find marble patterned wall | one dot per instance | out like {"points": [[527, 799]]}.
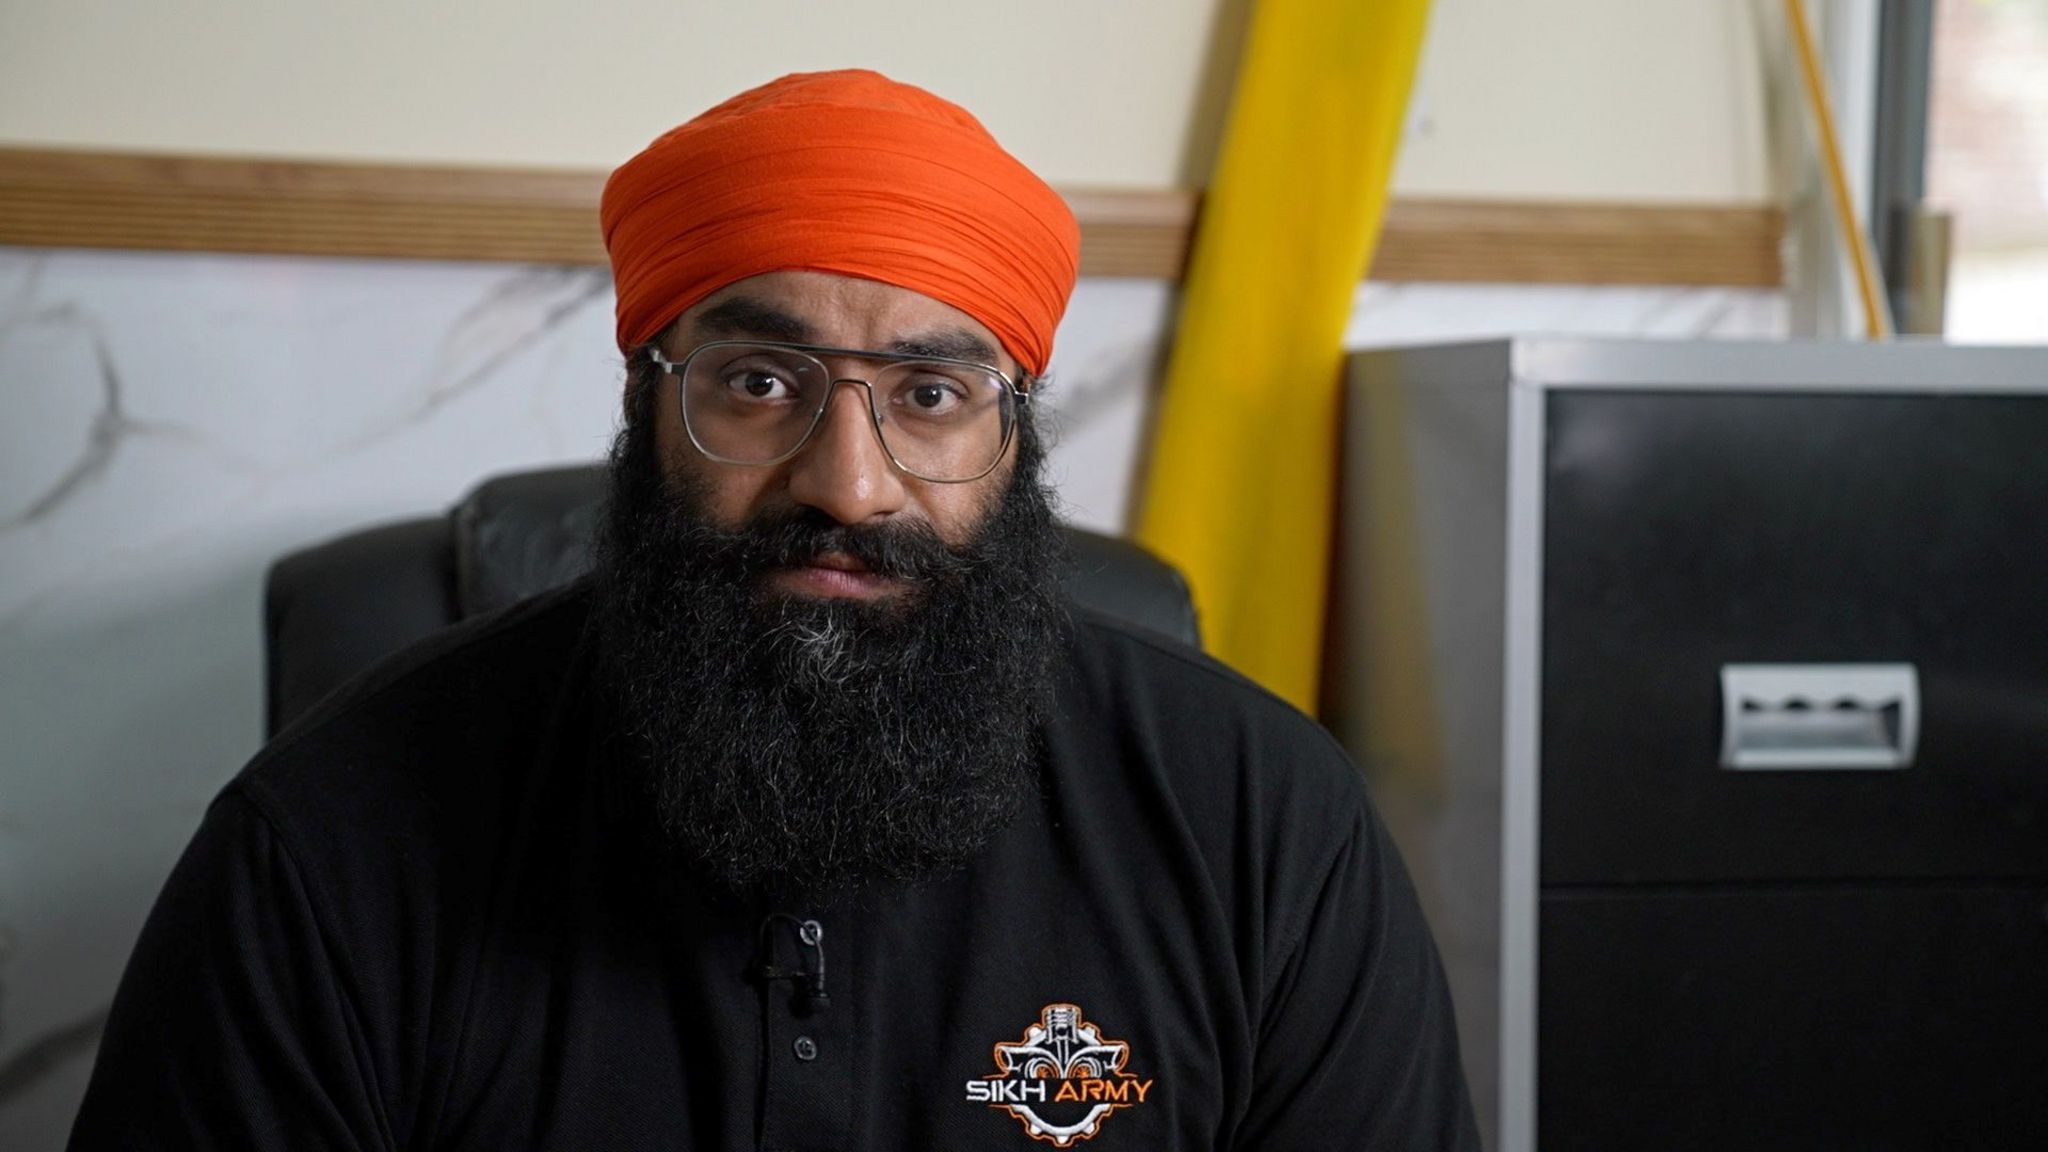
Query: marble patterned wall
{"points": [[170, 424]]}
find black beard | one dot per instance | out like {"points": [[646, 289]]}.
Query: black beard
{"points": [[791, 744]]}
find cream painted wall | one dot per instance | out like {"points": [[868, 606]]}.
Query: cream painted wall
{"points": [[1634, 100], [1088, 91], [1568, 99]]}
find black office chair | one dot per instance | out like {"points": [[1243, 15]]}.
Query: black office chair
{"points": [[335, 609]]}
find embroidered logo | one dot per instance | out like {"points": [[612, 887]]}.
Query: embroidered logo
{"points": [[1062, 1079]]}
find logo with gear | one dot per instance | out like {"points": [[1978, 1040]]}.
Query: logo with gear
{"points": [[1062, 1079]]}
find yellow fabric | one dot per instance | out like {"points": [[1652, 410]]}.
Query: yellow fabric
{"points": [[1240, 487]]}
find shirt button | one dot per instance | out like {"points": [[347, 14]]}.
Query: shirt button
{"points": [[806, 1048]]}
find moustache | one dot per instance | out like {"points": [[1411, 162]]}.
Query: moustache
{"points": [[911, 551]]}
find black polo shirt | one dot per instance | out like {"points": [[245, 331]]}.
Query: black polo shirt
{"points": [[415, 922]]}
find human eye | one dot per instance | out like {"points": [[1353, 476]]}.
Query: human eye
{"points": [[932, 394], [758, 381]]}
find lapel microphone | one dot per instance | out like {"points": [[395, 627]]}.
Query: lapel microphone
{"points": [[809, 976]]}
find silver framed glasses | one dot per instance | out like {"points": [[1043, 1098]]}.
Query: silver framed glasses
{"points": [[757, 403]]}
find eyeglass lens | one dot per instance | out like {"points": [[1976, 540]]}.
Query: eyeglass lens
{"points": [[754, 404]]}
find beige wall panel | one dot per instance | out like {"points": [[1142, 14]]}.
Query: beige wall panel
{"points": [[1628, 100], [1632, 100], [1086, 91]]}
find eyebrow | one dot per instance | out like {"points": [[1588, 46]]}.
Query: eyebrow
{"points": [[752, 316], [946, 344], [748, 316]]}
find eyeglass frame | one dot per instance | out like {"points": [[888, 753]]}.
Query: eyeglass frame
{"points": [[818, 352]]}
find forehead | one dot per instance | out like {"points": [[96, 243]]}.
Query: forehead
{"points": [[808, 307]]}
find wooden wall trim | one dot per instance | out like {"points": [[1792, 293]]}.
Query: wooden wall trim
{"points": [[202, 204], [51, 198], [1549, 243]]}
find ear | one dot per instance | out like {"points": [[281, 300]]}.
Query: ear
{"points": [[641, 371], [641, 374]]}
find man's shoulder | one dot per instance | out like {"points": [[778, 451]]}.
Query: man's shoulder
{"points": [[1217, 739], [443, 724], [480, 673]]}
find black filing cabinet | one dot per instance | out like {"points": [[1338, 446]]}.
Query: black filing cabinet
{"points": [[1768, 811]]}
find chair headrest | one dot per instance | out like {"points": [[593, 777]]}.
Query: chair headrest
{"points": [[519, 535]]}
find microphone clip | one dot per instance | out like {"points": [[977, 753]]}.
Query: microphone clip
{"points": [[810, 977]]}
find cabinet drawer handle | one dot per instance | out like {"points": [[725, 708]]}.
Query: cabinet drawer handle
{"points": [[1818, 717]]}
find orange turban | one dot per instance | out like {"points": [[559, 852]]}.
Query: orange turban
{"points": [[843, 172]]}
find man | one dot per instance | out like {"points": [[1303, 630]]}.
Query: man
{"points": [[816, 820]]}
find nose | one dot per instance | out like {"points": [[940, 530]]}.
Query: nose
{"points": [[843, 471]]}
